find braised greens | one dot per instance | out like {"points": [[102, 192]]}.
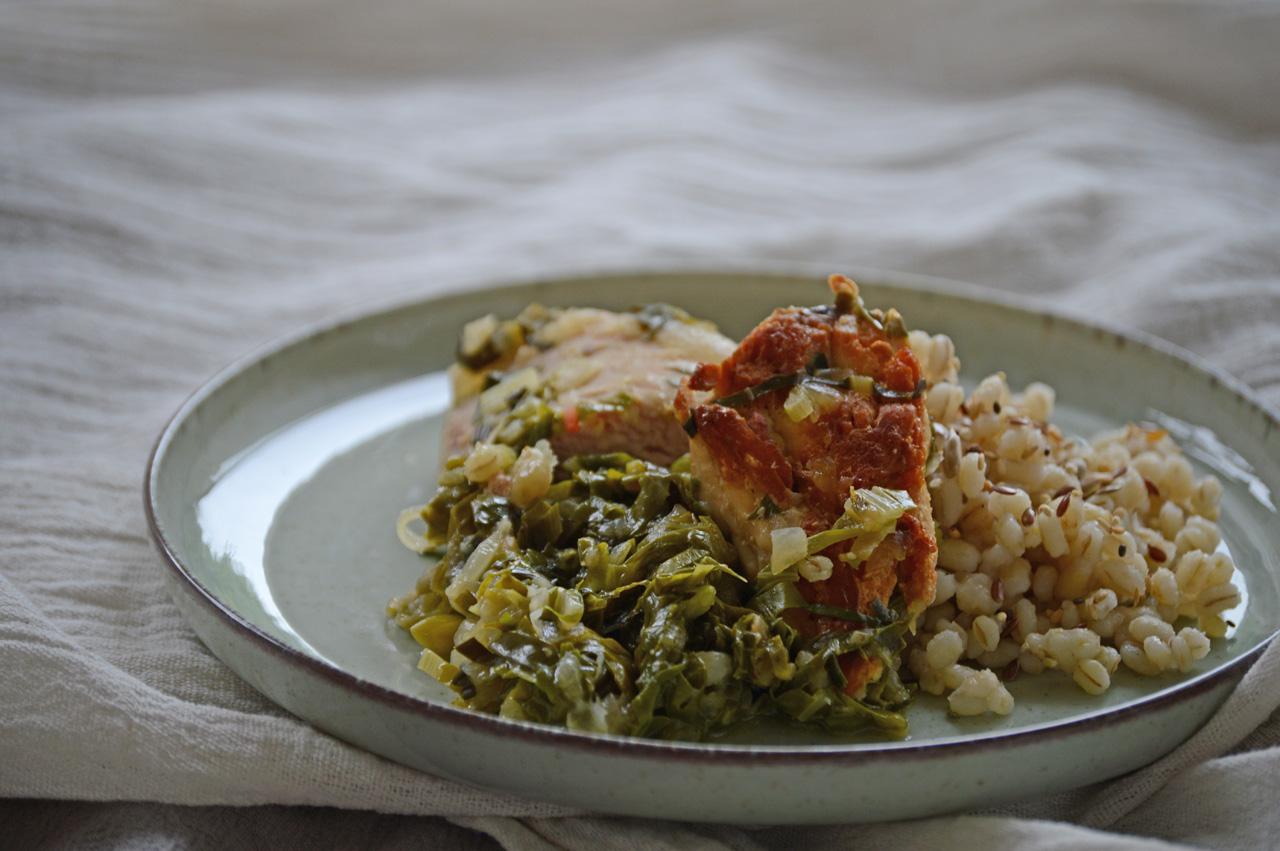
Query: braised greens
{"points": [[611, 604]]}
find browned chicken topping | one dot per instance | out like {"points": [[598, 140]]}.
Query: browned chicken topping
{"points": [[763, 467]]}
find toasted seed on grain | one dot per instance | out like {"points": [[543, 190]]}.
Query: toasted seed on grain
{"points": [[1028, 517], [997, 591], [1063, 491], [1064, 504], [1018, 421], [1005, 489], [1151, 487], [1157, 554], [973, 449]]}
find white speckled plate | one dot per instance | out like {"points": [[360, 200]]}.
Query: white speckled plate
{"points": [[273, 492]]}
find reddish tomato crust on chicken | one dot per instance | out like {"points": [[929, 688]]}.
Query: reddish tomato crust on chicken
{"points": [[746, 447]]}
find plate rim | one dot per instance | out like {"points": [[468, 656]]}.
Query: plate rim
{"points": [[723, 753]]}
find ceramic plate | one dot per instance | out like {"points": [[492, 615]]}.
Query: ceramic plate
{"points": [[273, 493]]}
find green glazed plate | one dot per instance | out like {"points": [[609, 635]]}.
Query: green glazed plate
{"points": [[272, 496]]}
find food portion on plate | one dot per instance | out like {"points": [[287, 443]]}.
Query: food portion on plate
{"points": [[809, 443], [1059, 553], [590, 381], [643, 529]]}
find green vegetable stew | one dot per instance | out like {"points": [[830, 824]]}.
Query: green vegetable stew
{"points": [[611, 604]]}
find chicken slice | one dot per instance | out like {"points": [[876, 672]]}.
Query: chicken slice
{"points": [[814, 402], [610, 376]]}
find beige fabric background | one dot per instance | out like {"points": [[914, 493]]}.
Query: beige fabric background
{"points": [[181, 182]]}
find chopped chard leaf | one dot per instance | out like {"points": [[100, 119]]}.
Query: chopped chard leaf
{"points": [[612, 604], [766, 508], [769, 385]]}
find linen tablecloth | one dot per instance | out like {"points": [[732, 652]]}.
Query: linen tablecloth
{"points": [[182, 181]]}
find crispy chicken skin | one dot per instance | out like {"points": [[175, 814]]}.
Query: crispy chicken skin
{"points": [[614, 376], [751, 450]]}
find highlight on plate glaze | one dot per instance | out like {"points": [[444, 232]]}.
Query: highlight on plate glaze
{"points": [[236, 514]]}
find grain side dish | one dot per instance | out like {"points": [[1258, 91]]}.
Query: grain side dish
{"points": [[643, 528]]}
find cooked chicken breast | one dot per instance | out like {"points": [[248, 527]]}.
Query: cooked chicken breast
{"points": [[814, 402], [612, 376]]}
